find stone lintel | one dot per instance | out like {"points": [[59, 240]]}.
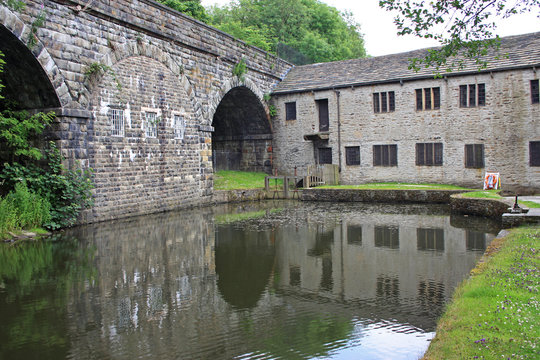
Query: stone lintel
{"points": [[317, 136]]}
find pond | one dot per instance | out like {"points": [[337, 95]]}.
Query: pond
{"points": [[269, 280]]}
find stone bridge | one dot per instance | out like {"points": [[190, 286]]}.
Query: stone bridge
{"points": [[147, 97]]}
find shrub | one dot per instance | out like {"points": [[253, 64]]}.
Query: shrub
{"points": [[23, 209], [68, 191]]}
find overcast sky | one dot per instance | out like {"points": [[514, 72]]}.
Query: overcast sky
{"points": [[380, 32]]}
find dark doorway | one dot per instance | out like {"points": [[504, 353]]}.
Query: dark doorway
{"points": [[322, 106], [242, 138]]}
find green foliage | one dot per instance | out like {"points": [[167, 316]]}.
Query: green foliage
{"points": [[2, 63], [22, 209], [68, 191], [36, 25], [192, 8], [17, 128], [461, 26], [16, 5], [272, 110], [301, 31], [240, 69], [96, 69]]}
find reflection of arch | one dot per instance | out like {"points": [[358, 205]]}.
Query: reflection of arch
{"points": [[242, 138], [135, 48], [44, 86], [244, 262]]}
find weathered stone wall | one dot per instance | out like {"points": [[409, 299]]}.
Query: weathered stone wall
{"points": [[144, 56], [482, 207], [380, 196], [505, 126]]}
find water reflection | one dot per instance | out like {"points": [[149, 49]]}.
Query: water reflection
{"points": [[300, 281], [244, 263]]}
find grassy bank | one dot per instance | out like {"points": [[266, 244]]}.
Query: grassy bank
{"points": [[495, 313], [396, 186], [494, 194]]}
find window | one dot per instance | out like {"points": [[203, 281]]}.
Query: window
{"points": [[472, 95], [535, 96], [384, 102], [387, 236], [474, 156], [116, 119], [322, 107], [295, 276], [179, 126], [150, 124], [290, 111], [354, 235], [384, 155], [428, 98], [430, 239], [534, 153], [325, 155], [352, 155], [429, 154], [475, 241]]}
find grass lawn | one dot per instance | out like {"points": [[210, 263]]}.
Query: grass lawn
{"points": [[240, 180], [495, 313], [493, 194], [396, 186]]}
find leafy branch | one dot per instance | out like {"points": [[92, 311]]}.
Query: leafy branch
{"points": [[36, 25], [240, 69], [462, 27]]}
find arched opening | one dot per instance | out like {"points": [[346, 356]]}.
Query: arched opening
{"points": [[27, 86], [242, 138]]}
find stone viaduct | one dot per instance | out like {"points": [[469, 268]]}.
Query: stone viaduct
{"points": [[147, 97]]}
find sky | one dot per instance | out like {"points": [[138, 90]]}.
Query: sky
{"points": [[377, 26]]}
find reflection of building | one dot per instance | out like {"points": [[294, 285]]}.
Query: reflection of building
{"points": [[374, 258], [180, 284]]}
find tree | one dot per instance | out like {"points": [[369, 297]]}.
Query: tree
{"points": [[466, 27], [301, 31], [192, 8]]}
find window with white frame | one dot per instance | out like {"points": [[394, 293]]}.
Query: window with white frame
{"points": [[150, 124], [179, 124], [116, 120]]}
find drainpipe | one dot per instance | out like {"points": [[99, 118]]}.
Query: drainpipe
{"points": [[339, 130]]}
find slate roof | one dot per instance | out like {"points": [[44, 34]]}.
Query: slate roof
{"points": [[523, 51]]}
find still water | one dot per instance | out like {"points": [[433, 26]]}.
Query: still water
{"points": [[272, 280]]}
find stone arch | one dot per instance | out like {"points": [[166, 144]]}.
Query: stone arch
{"points": [[53, 94], [242, 137], [228, 86], [136, 48]]}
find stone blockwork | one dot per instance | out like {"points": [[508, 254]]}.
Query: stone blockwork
{"points": [[380, 196], [106, 59], [505, 125], [481, 207]]}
